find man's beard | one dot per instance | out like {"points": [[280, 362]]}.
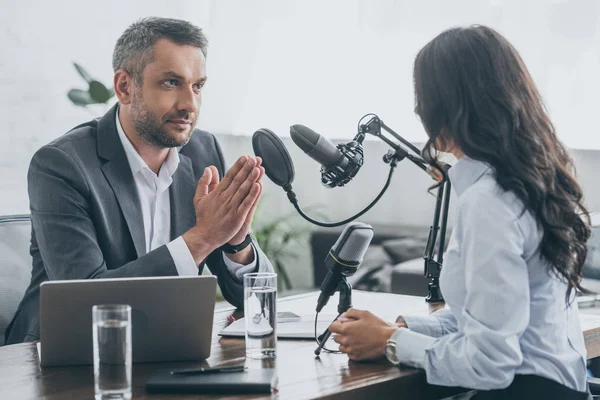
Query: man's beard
{"points": [[150, 128]]}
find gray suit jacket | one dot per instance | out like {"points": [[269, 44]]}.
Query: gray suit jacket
{"points": [[87, 222]]}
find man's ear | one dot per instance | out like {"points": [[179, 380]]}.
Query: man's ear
{"points": [[123, 85]]}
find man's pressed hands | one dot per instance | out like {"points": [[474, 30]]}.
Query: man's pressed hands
{"points": [[224, 209]]}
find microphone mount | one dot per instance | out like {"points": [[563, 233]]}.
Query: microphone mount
{"points": [[336, 175]]}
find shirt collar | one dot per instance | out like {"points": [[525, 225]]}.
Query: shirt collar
{"points": [[465, 172], [172, 161], [136, 162]]}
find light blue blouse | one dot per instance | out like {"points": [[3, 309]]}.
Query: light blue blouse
{"points": [[505, 312]]}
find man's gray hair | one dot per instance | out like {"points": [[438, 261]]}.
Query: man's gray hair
{"points": [[133, 50]]}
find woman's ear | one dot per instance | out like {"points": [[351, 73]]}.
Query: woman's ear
{"points": [[446, 144], [443, 141]]}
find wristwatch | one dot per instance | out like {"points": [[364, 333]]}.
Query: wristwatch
{"points": [[229, 249], [390, 352]]}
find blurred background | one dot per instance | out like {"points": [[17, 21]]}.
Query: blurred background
{"points": [[274, 63]]}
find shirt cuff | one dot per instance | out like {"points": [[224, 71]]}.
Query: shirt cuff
{"points": [[182, 257], [411, 347], [238, 270], [424, 324]]}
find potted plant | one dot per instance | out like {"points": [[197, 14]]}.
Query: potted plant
{"points": [[281, 238], [96, 93]]}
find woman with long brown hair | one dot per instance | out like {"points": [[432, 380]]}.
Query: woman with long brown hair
{"points": [[515, 257]]}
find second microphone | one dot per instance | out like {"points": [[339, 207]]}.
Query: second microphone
{"points": [[338, 164]]}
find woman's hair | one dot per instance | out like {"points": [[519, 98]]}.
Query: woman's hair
{"points": [[473, 91]]}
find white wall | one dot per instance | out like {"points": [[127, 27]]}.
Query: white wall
{"points": [[278, 62], [327, 63]]}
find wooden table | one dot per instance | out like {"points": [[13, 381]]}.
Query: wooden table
{"points": [[301, 375]]}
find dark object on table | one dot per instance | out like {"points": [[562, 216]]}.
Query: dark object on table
{"points": [[252, 381]]}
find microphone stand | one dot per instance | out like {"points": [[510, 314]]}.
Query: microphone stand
{"points": [[433, 266], [344, 304]]}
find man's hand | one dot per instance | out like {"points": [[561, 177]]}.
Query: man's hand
{"points": [[245, 229], [246, 256], [222, 207], [361, 335]]}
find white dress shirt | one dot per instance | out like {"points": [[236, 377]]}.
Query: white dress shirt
{"points": [[155, 203], [505, 310]]}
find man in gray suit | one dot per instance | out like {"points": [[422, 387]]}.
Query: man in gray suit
{"points": [[140, 192]]}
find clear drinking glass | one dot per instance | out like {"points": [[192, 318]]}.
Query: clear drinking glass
{"points": [[260, 313], [112, 351]]}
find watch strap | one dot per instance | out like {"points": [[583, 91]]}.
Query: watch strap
{"points": [[230, 249]]}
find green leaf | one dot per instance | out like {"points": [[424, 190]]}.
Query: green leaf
{"points": [[98, 92], [80, 97], [84, 74]]}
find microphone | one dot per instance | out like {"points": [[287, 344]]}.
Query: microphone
{"points": [[338, 164], [344, 258]]}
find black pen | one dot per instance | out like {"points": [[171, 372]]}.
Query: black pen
{"points": [[209, 370]]}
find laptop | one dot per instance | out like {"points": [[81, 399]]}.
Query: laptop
{"points": [[172, 317]]}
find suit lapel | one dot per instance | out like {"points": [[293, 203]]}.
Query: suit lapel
{"points": [[181, 194], [118, 174]]}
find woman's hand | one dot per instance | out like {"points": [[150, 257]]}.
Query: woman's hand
{"points": [[361, 335]]}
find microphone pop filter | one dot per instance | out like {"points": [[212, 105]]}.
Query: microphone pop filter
{"points": [[276, 160]]}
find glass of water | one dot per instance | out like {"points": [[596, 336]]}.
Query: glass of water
{"points": [[260, 313], [112, 351]]}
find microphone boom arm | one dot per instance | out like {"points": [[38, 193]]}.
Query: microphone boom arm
{"points": [[373, 127], [433, 266]]}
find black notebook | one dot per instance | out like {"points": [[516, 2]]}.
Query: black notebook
{"points": [[250, 381]]}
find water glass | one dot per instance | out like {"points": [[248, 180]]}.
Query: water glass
{"points": [[260, 314], [112, 351]]}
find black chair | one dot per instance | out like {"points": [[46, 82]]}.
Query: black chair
{"points": [[15, 265]]}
